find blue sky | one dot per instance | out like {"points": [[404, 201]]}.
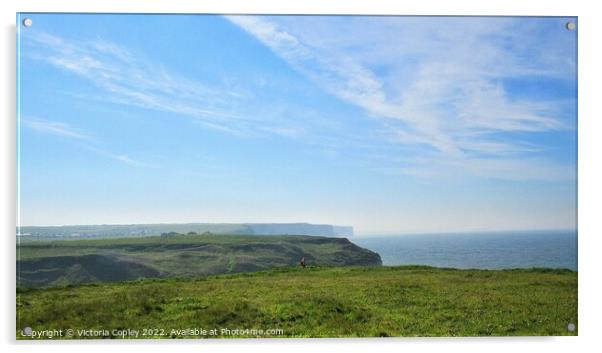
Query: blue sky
{"points": [[388, 124]]}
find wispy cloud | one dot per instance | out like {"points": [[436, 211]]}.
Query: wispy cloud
{"points": [[83, 140], [433, 81], [54, 128], [122, 158], [126, 78]]}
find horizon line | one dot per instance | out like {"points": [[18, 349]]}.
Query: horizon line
{"points": [[368, 233]]}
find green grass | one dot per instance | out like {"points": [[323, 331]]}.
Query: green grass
{"points": [[320, 302], [56, 263]]}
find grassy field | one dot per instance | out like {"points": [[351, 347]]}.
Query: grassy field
{"points": [[56, 263], [315, 302]]}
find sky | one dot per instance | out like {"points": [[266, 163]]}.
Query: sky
{"points": [[388, 124]]}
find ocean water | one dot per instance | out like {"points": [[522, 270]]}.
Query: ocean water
{"points": [[491, 250]]}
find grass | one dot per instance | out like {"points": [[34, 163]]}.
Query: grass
{"points": [[319, 302], [52, 263]]}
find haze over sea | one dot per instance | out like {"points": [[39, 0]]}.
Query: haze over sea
{"points": [[484, 250]]}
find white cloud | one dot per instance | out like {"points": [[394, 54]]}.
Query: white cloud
{"points": [[128, 79], [53, 127], [433, 81], [122, 158], [85, 141]]}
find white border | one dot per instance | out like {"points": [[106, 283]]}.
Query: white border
{"points": [[589, 170]]}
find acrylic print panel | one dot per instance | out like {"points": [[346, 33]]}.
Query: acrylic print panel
{"points": [[206, 176]]}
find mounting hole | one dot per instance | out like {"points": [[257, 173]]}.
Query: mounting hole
{"points": [[570, 26], [27, 22], [570, 327]]}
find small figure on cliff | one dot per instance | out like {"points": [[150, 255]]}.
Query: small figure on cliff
{"points": [[302, 262]]}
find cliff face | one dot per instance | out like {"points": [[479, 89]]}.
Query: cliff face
{"points": [[300, 229], [56, 263]]}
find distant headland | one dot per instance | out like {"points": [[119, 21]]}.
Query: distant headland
{"points": [[125, 230]]}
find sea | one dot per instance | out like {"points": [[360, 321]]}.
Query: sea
{"points": [[485, 250]]}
